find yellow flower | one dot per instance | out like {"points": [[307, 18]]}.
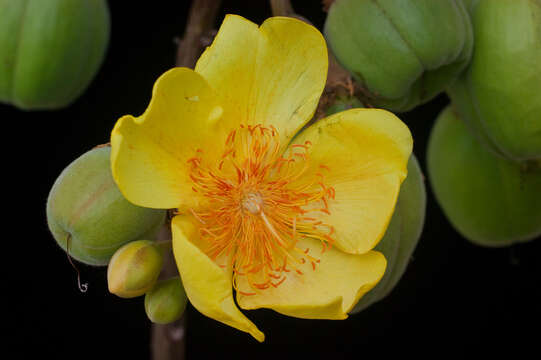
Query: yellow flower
{"points": [[285, 218]]}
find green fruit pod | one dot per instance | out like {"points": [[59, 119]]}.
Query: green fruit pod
{"points": [[499, 93], [86, 211], [50, 50], [489, 199], [134, 269], [166, 302], [402, 234], [402, 52]]}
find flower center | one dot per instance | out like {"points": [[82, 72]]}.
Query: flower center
{"points": [[252, 203], [258, 205]]}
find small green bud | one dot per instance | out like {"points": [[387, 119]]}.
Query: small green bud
{"points": [[50, 50], [403, 53], [166, 302], [489, 199], [88, 216], [499, 94], [134, 269], [402, 234]]}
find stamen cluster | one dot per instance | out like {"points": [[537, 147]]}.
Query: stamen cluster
{"points": [[257, 208]]}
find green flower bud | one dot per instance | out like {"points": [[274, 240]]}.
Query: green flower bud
{"points": [[86, 211], [403, 52], [166, 302], [402, 234], [134, 269], [498, 95], [489, 199], [50, 50]]}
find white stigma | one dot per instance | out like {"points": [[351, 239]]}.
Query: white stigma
{"points": [[252, 203]]}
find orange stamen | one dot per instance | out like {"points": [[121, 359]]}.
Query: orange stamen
{"points": [[255, 201]]}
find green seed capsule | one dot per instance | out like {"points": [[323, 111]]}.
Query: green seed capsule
{"points": [[134, 269], [499, 93], [402, 234], [489, 199], [50, 50], [87, 213], [166, 302], [403, 52]]}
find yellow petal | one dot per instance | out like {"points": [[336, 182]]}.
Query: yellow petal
{"points": [[149, 153], [207, 285], [265, 75], [329, 291], [366, 152]]}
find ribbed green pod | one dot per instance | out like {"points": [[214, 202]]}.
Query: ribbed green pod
{"points": [[86, 210], [489, 199], [403, 52], [50, 50], [499, 94]]}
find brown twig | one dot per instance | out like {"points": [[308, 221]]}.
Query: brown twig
{"points": [[200, 22], [281, 8], [326, 4], [168, 341]]}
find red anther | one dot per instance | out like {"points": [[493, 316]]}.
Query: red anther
{"points": [[245, 293], [332, 192], [194, 161], [227, 152], [325, 202], [323, 247], [279, 282]]}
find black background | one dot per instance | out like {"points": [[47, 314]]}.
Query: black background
{"points": [[455, 297]]}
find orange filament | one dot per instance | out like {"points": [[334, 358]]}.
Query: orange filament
{"points": [[256, 201]]}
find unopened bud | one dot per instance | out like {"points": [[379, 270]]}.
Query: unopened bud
{"points": [[134, 269], [166, 302]]}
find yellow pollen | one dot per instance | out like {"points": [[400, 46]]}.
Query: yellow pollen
{"points": [[259, 204]]}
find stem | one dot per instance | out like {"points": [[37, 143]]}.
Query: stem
{"points": [[168, 341], [282, 8], [200, 23]]}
